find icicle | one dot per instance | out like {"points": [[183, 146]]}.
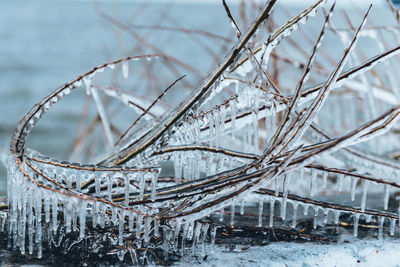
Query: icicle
{"points": [[380, 230], [232, 214], [305, 209], [109, 187], [353, 188], [326, 216], [95, 213], [204, 230], [364, 194], [126, 190], [386, 197], [114, 215], [176, 231], [356, 218], [125, 69], [97, 186], [166, 240], [286, 182], [46, 200], [340, 182], [315, 220], [139, 219], [271, 210], [82, 219], [30, 223], [221, 214], [276, 186], [102, 210], [38, 215], [392, 226], [337, 215], [312, 183], [153, 186], [54, 213], [294, 223], [196, 235], [324, 179], [156, 228], [121, 228], [242, 207], [147, 229], [142, 184], [260, 210], [212, 236]]}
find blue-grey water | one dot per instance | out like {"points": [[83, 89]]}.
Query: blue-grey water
{"points": [[46, 43]]}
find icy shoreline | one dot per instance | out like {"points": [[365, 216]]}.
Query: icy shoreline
{"points": [[353, 252]]}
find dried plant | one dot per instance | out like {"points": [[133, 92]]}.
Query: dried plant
{"points": [[240, 139]]}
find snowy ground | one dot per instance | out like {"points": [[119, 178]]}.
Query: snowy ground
{"points": [[349, 252]]}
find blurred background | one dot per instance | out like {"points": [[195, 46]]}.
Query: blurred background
{"points": [[44, 44]]}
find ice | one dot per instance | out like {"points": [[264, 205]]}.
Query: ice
{"points": [[315, 218], [232, 222], [242, 207], [286, 183], [271, 211], [324, 179], [381, 220], [103, 116], [353, 188], [88, 84], [294, 222], [82, 219], [221, 215], [392, 226], [356, 219], [364, 194], [139, 221], [313, 177], [125, 69], [260, 210], [340, 183], [337, 215], [85, 193], [386, 197]]}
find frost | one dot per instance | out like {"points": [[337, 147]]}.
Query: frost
{"points": [[237, 142]]}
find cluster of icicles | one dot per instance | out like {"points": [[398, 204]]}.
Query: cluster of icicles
{"points": [[125, 191]]}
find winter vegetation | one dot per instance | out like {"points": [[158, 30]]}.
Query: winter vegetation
{"points": [[291, 136]]}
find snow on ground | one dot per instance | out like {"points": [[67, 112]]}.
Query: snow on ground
{"points": [[367, 252]]}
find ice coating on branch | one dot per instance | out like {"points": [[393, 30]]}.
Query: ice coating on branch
{"points": [[218, 142]]}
